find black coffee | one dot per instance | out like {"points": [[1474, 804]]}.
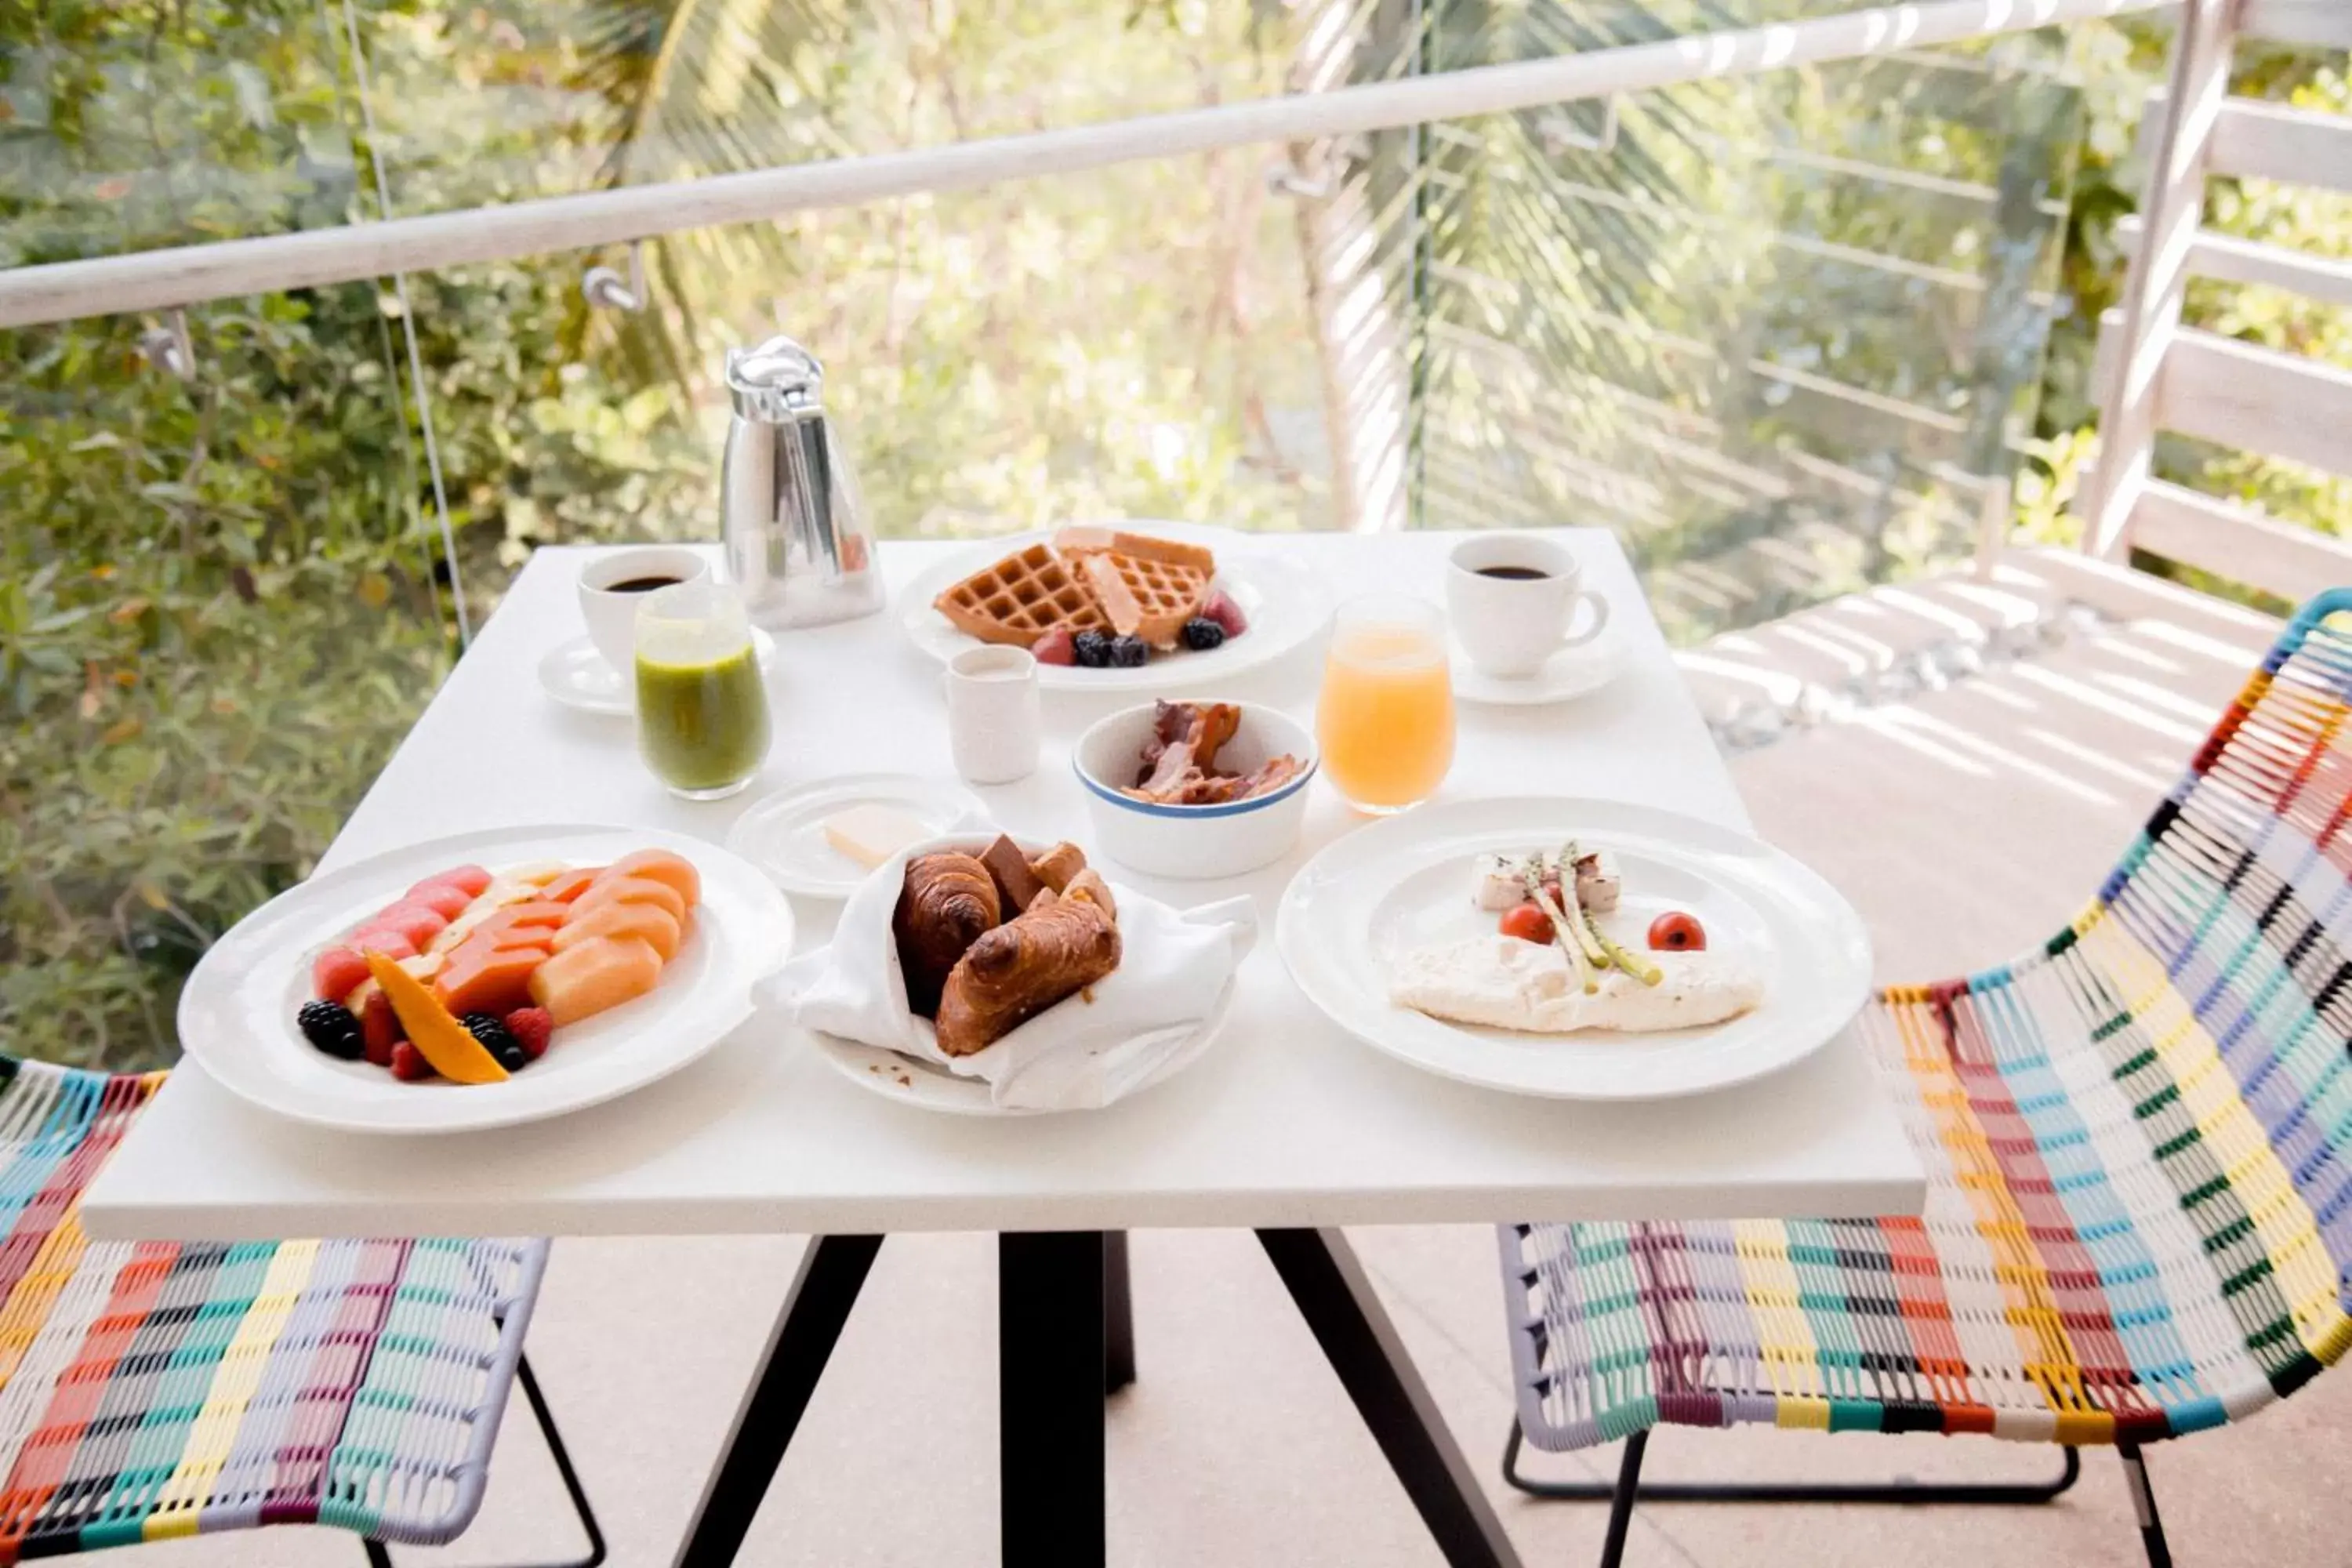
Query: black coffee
{"points": [[1514, 573], [648, 585]]}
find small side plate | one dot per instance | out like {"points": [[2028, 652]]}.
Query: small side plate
{"points": [[1571, 673], [783, 834]]}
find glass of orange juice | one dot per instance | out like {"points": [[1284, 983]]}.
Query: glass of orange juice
{"points": [[1386, 718]]}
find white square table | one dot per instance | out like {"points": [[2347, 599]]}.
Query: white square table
{"points": [[1288, 1126]]}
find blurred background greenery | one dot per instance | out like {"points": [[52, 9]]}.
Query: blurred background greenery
{"points": [[1785, 335]]}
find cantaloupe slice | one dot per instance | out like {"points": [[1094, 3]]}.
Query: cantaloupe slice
{"points": [[588, 978], [646, 923], [612, 890], [675, 872], [488, 979]]}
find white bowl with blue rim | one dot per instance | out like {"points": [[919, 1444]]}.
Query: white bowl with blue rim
{"points": [[1194, 842]]}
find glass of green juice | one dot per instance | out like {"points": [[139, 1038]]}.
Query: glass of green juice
{"points": [[702, 706]]}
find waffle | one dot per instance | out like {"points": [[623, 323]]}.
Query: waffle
{"points": [[1083, 539], [1147, 598], [1020, 599]]}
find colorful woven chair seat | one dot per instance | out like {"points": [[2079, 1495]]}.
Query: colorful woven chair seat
{"points": [[152, 1389], [2138, 1141]]}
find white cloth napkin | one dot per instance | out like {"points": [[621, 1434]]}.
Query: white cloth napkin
{"points": [[1080, 1055]]}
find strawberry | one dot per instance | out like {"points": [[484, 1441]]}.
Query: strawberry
{"points": [[1056, 647], [408, 1064], [532, 1028], [379, 1027], [1222, 609]]}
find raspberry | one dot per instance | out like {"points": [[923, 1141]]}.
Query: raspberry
{"points": [[532, 1029], [1222, 609], [1056, 647], [408, 1064], [379, 1028]]}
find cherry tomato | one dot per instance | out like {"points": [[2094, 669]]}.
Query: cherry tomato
{"points": [[1676, 931], [1527, 922]]}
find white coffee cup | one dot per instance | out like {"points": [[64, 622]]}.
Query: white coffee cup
{"points": [[1510, 625], [994, 726], [611, 610]]}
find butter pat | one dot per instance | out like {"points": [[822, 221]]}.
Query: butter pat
{"points": [[870, 834]]}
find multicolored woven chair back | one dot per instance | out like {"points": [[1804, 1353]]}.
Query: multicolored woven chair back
{"points": [[152, 1389], [2138, 1142]]}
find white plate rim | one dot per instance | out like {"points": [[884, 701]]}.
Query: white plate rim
{"points": [[762, 642], [1801, 1026], [1263, 644], [849, 788], [215, 1001], [944, 1093]]}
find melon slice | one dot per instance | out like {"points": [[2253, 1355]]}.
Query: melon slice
{"points": [[612, 890], [418, 924], [468, 879], [588, 978], [444, 899], [675, 872], [648, 922]]}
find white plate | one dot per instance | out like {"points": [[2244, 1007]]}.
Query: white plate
{"points": [[576, 674], [1406, 882], [929, 1087], [1571, 673], [236, 1014], [1287, 605], [783, 834]]}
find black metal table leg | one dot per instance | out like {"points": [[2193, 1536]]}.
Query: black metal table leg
{"points": [[1050, 1333], [832, 1271], [1119, 1315], [1337, 1299]]}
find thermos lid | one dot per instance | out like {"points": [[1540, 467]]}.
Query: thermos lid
{"points": [[776, 382]]}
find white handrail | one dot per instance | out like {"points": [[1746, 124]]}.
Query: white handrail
{"points": [[160, 279]]}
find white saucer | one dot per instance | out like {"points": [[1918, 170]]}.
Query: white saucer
{"points": [[576, 674], [1571, 673], [783, 834]]}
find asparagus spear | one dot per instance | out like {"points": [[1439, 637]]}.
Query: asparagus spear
{"points": [[1532, 872], [1632, 963], [1592, 953]]}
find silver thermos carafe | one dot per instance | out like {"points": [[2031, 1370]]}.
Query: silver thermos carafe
{"points": [[795, 532]]}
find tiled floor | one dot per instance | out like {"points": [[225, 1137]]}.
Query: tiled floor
{"points": [[1964, 824]]}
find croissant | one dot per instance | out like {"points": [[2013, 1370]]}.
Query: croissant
{"points": [[947, 901], [1059, 946], [1057, 865]]}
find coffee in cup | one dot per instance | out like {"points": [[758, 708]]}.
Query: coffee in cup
{"points": [[613, 584], [1513, 599]]}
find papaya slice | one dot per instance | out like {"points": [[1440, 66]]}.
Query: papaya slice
{"points": [[612, 890], [570, 885], [486, 978], [648, 922], [444, 1042], [673, 871], [588, 978]]}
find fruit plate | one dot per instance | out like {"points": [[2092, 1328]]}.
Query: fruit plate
{"points": [[1405, 882], [236, 1013], [1287, 606], [929, 1087]]}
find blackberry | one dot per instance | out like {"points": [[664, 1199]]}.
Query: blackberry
{"points": [[1130, 653], [1201, 633], [1091, 649], [494, 1036], [330, 1027]]}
